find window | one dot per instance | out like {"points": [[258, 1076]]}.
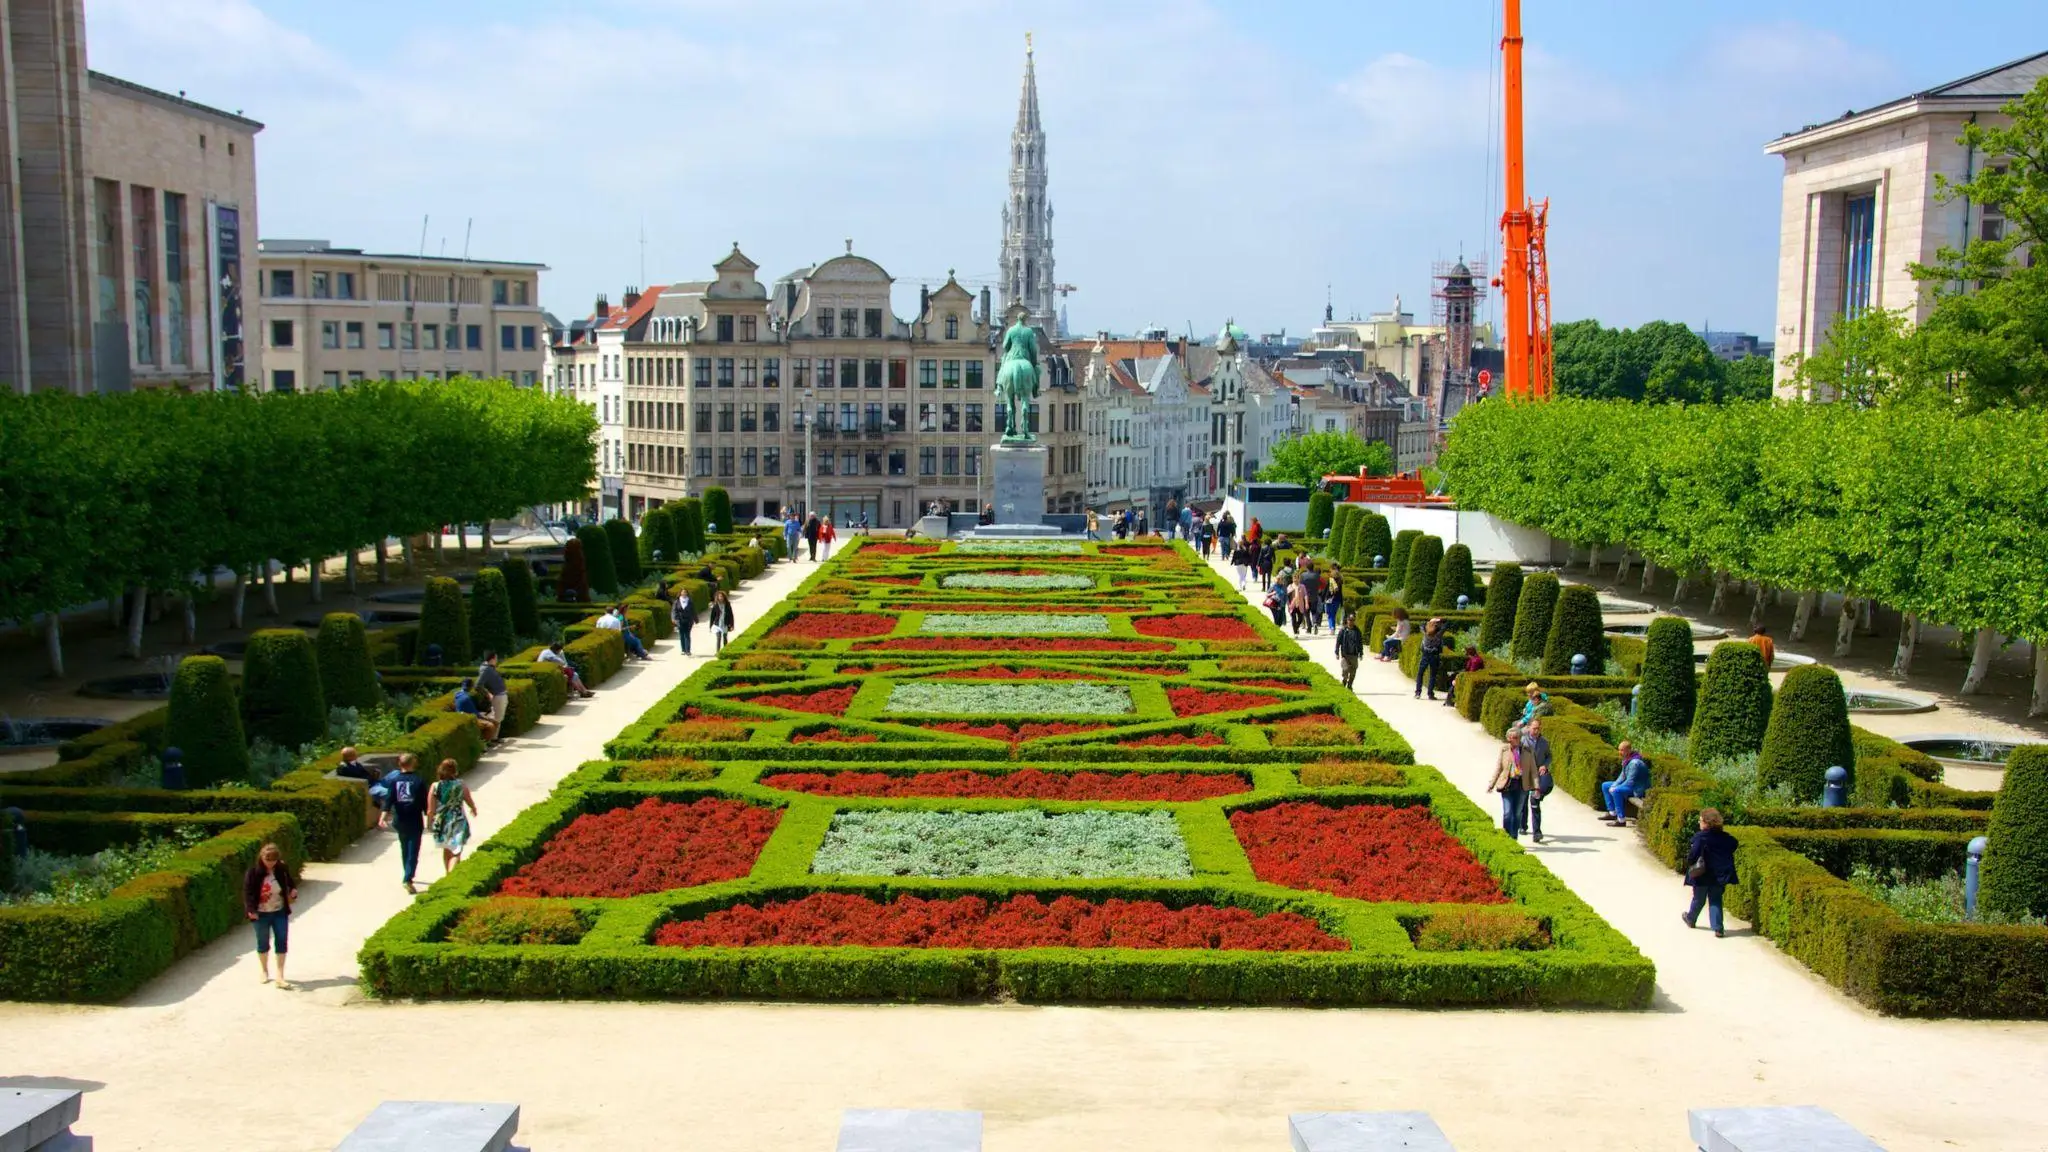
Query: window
{"points": [[871, 462], [825, 322], [848, 319], [849, 373], [823, 424], [750, 462], [896, 417], [927, 417], [353, 330], [387, 374], [702, 466], [800, 372], [281, 334], [872, 418], [872, 374], [825, 373], [771, 461], [927, 461], [526, 338], [330, 381], [700, 368], [952, 459], [322, 286], [771, 417], [508, 337], [949, 418], [749, 370], [874, 323], [952, 373], [952, 325], [899, 374], [501, 291], [974, 461], [771, 371], [355, 377], [703, 417], [974, 417], [725, 329], [725, 462], [974, 373], [430, 337], [725, 371], [725, 417], [474, 337], [283, 283], [750, 420], [849, 463], [898, 461], [928, 373], [519, 293], [330, 334], [827, 463], [454, 342], [1992, 225], [283, 380], [747, 329], [177, 323], [345, 286], [849, 418], [408, 336]]}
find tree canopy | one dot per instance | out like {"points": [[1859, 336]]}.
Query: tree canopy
{"points": [[1306, 459], [1660, 362]]}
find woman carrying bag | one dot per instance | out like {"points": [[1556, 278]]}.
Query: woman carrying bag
{"points": [[1709, 869], [721, 619]]}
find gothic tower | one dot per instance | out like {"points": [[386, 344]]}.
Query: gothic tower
{"points": [[1027, 215]]}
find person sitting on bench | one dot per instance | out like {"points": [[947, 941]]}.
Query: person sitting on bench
{"points": [[466, 701], [1633, 781]]}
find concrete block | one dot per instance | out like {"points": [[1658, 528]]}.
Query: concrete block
{"points": [[909, 1130], [32, 1119], [434, 1126], [1365, 1132], [1801, 1128]]}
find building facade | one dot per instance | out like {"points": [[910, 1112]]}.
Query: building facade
{"points": [[1860, 206], [1026, 261], [337, 316]]}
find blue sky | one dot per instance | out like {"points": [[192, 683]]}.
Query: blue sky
{"points": [[1209, 158]]}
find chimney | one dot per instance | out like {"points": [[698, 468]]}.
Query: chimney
{"points": [[604, 307], [924, 301], [632, 297], [987, 317]]}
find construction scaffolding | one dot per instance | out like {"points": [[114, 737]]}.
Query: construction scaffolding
{"points": [[1457, 289]]}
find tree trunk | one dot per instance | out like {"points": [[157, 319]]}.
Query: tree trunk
{"points": [[462, 539], [53, 642], [1757, 605], [241, 600], [1720, 599], [348, 571], [191, 617], [1909, 639], [1845, 626], [1980, 661], [1621, 569], [1678, 590], [117, 609], [287, 570], [484, 540], [1649, 574], [383, 561], [138, 609], [2039, 705], [269, 592], [1802, 615], [1867, 618], [437, 547], [313, 574], [405, 550]]}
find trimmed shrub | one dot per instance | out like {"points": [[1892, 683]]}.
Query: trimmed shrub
{"points": [[1343, 519], [717, 510], [1575, 630], [520, 595], [689, 519], [658, 541], [1808, 732], [1533, 609], [1373, 536], [572, 585], [1321, 509], [1670, 677], [205, 725], [597, 560], [1480, 928], [281, 697], [444, 620], [2016, 862], [1453, 578], [1735, 705], [342, 650], [1503, 596], [508, 920], [625, 552], [490, 615], [1397, 560], [1425, 557]]}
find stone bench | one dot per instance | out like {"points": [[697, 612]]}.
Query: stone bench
{"points": [[909, 1130], [434, 1126], [40, 1120], [1365, 1132], [1802, 1128]]}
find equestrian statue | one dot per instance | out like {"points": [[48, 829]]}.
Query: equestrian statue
{"points": [[1017, 380]]}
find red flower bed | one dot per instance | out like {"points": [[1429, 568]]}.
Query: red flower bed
{"points": [[1188, 701], [1187, 627], [1135, 550], [873, 549], [834, 736], [836, 625], [652, 847], [823, 701], [898, 581], [1175, 740], [1364, 851], [869, 669], [1030, 730], [999, 672], [1008, 644], [1023, 784], [1289, 685], [828, 919]]}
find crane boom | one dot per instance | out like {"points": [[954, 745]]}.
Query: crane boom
{"points": [[1525, 267]]}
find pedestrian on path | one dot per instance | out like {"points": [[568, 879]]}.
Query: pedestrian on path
{"points": [[791, 529], [721, 619], [1536, 778], [491, 683], [1226, 531], [811, 536], [445, 815], [268, 890], [408, 814], [1333, 595], [1300, 603], [1241, 562], [682, 612], [826, 535], [1432, 657], [1507, 780], [1709, 869], [1276, 603], [1761, 637], [1267, 557], [1350, 648]]}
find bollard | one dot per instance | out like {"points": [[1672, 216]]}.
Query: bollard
{"points": [[1835, 793], [1971, 872], [433, 658], [174, 768], [1464, 602], [1379, 561], [1578, 664], [1635, 697], [17, 822]]}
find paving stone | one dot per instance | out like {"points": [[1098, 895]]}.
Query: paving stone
{"points": [[1365, 1132], [1802, 1128], [909, 1130], [434, 1126], [39, 1119]]}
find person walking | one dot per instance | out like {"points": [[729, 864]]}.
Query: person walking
{"points": [[1144, 522], [408, 814], [1226, 531], [1350, 648], [1300, 603], [1267, 556], [721, 619], [446, 817], [1709, 869], [791, 529], [1276, 603], [1241, 564], [491, 683], [1634, 781], [682, 612], [1171, 520], [826, 535], [1507, 780], [1333, 595], [811, 537], [1761, 637], [1432, 657], [1390, 646], [1094, 525], [268, 890], [1537, 781]]}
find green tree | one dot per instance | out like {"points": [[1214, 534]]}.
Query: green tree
{"points": [[1575, 630], [1453, 578], [444, 620], [597, 560], [1735, 705], [2016, 859], [717, 511], [1533, 610], [1425, 557], [1373, 537], [1307, 458], [490, 614], [204, 724], [1503, 597], [1808, 733], [282, 700], [572, 583], [1670, 677], [1321, 508], [1661, 362], [1750, 378], [1397, 560], [520, 592], [347, 676], [625, 552]]}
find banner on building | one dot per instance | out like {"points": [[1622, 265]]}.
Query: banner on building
{"points": [[229, 367]]}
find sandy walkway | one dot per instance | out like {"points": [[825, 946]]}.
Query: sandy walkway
{"points": [[207, 1059]]}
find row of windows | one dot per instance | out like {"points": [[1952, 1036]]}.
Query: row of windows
{"points": [[287, 380], [725, 463], [283, 284], [409, 336], [669, 416], [748, 372]]}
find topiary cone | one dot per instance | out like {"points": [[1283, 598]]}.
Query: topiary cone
{"points": [[1503, 596], [520, 591], [1425, 556], [625, 552], [658, 542], [347, 675], [204, 724], [1321, 509], [2015, 880], [1373, 536], [717, 511], [1575, 630], [490, 614], [1670, 677], [572, 586], [1735, 705], [1808, 733], [282, 700], [1532, 615], [1453, 578], [1342, 520], [597, 560], [690, 525], [444, 620], [1397, 559]]}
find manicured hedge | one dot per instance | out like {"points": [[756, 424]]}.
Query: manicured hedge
{"points": [[2016, 861], [717, 511], [523, 598], [490, 615], [1453, 578], [1533, 610], [444, 621], [1425, 557], [1808, 732], [1575, 630], [598, 561], [205, 724], [1397, 560], [1503, 597], [1735, 704], [1321, 507], [690, 532], [1374, 537], [1670, 676], [281, 696], [625, 549], [572, 585], [347, 677], [1343, 519]]}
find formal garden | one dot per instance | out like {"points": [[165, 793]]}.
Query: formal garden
{"points": [[1049, 771]]}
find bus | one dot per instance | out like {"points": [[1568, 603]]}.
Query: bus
{"points": [[1277, 507]]}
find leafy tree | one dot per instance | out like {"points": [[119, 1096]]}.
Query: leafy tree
{"points": [[597, 559], [1397, 560], [490, 614], [347, 675], [572, 584], [1321, 507], [1374, 536], [520, 592], [1670, 677], [2016, 859], [1453, 578], [204, 724], [1735, 704], [1575, 630], [282, 700], [625, 551], [1533, 610], [444, 620], [1425, 557], [1307, 458], [1661, 362], [1808, 732], [717, 511], [1503, 596], [1750, 378]]}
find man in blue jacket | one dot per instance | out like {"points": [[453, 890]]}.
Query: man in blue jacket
{"points": [[1633, 781], [408, 813]]}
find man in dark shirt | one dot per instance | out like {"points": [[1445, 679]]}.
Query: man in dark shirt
{"points": [[1350, 647], [352, 766], [492, 684], [408, 814], [466, 702]]}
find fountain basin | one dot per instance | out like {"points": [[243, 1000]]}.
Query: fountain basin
{"points": [[370, 616], [1699, 631], [141, 686], [1889, 701], [1624, 607], [1962, 749], [227, 649], [40, 732]]}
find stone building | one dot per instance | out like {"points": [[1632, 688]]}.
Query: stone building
{"points": [[124, 242], [1859, 206], [335, 316], [1026, 261]]}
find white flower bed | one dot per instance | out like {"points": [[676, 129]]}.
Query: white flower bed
{"points": [[1012, 624], [1024, 843], [1012, 582], [1018, 547], [1009, 698]]}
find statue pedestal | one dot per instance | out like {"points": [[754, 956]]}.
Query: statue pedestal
{"points": [[1018, 475]]}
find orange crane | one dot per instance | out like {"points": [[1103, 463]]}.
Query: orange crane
{"points": [[1525, 269]]}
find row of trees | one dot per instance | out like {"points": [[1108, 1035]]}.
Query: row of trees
{"points": [[1658, 363], [155, 490]]}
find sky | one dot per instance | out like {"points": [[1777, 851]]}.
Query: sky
{"points": [[1209, 159]]}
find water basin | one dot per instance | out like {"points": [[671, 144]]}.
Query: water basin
{"points": [[32, 733], [1889, 702], [1699, 631], [1963, 749], [1623, 607], [141, 686], [370, 616]]}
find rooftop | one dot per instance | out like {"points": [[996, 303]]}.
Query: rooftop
{"points": [[287, 247], [179, 102], [1992, 87]]}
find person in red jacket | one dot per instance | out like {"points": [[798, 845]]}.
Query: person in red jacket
{"points": [[268, 890]]}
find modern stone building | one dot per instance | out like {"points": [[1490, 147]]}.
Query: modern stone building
{"points": [[1860, 206], [336, 316], [123, 245]]}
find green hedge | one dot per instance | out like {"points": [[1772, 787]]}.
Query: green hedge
{"points": [[490, 615], [690, 533], [717, 511], [1373, 537], [520, 593], [1425, 557], [1670, 676], [1533, 610], [1808, 732], [572, 584], [598, 560], [282, 701], [1397, 560], [1453, 579], [1735, 704], [1321, 507], [347, 676], [2016, 861], [1343, 519], [625, 548], [444, 621], [658, 540], [1575, 630], [1503, 597], [205, 724]]}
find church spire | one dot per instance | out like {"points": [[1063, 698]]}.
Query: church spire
{"points": [[1027, 103], [1026, 262]]}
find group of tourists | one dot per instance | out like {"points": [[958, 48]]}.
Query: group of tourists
{"points": [[682, 612], [1302, 596], [814, 530]]}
